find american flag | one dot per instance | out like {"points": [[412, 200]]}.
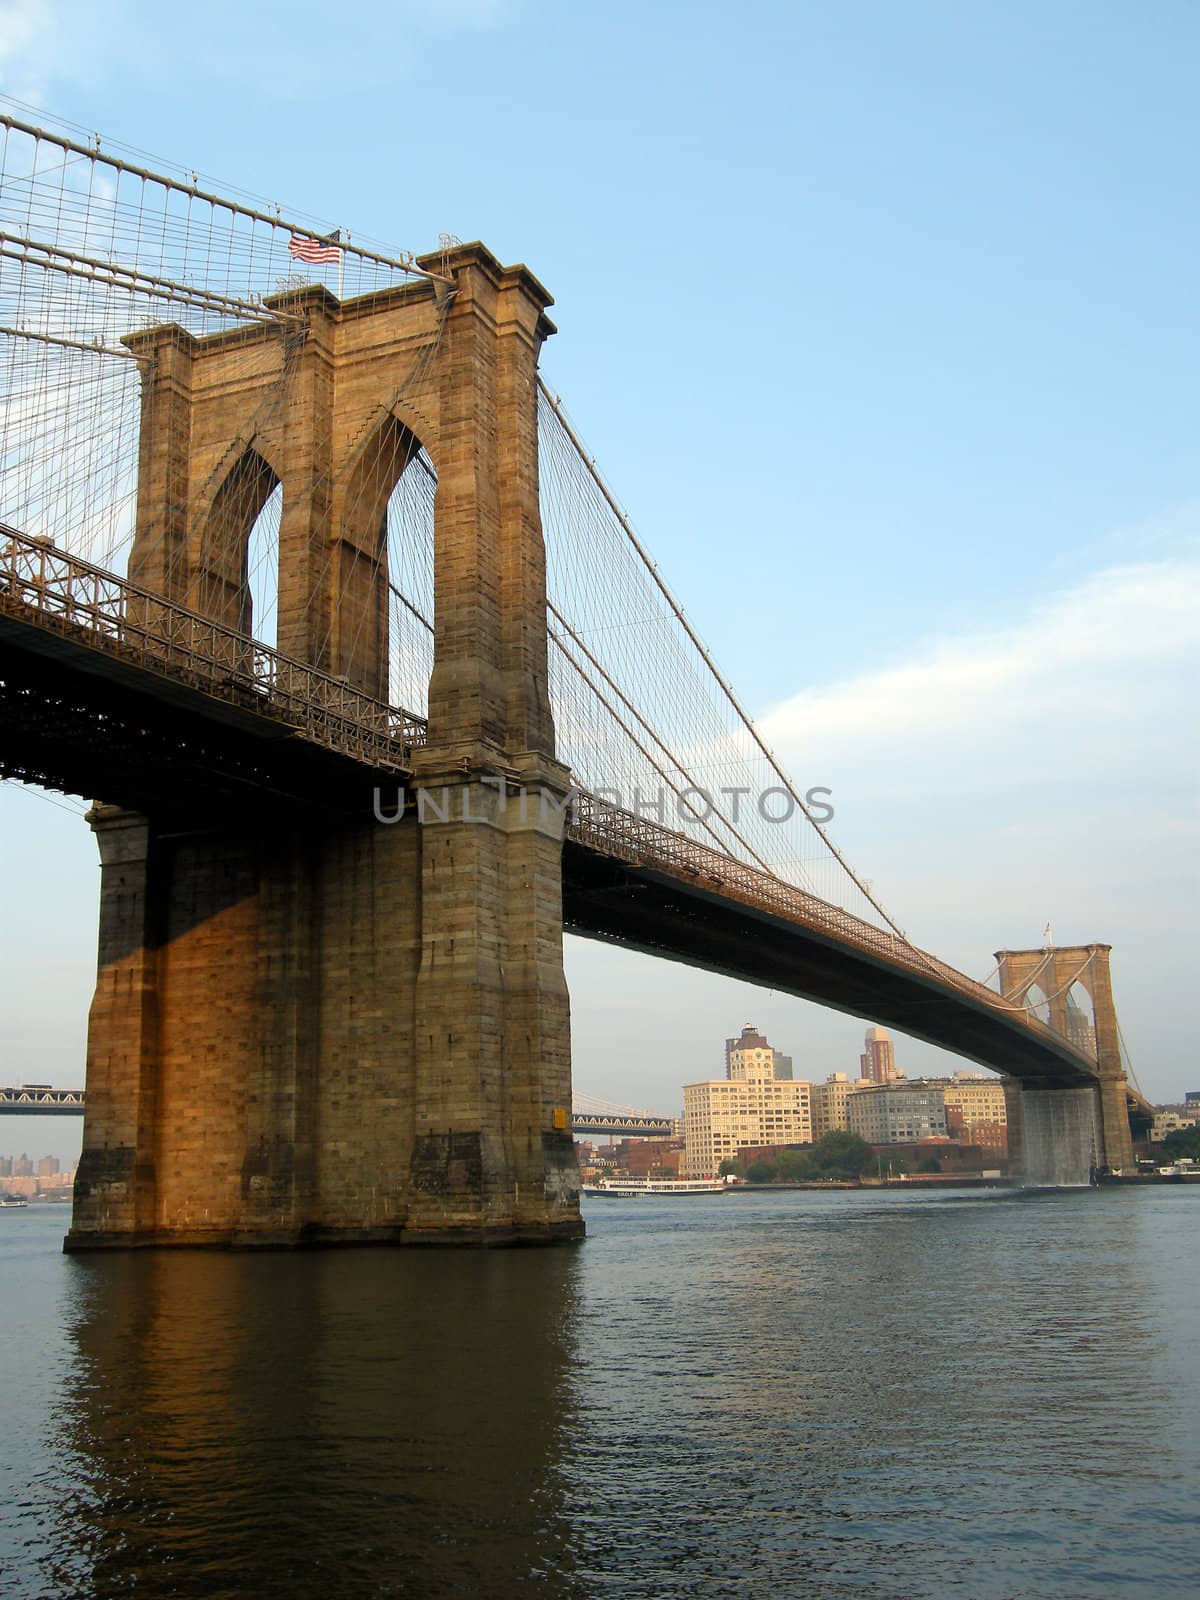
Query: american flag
{"points": [[317, 251]]}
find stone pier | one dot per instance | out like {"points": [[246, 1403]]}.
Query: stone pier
{"points": [[1050, 975], [329, 1030]]}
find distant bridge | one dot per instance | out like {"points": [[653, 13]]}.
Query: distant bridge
{"points": [[600, 1117], [634, 1125], [40, 1100]]}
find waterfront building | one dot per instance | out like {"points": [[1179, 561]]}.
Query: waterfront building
{"points": [[917, 1158], [1168, 1119], [897, 1113], [878, 1060], [750, 1107], [752, 1045], [978, 1101], [986, 1135], [749, 1047], [829, 1103], [653, 1158], [48, 1167]]}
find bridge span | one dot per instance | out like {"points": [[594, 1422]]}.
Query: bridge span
{"points": [[272, 554], [166, 714], [110, 689]]}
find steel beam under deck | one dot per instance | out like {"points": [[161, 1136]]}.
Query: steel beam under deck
{"points": [[660, 914]]}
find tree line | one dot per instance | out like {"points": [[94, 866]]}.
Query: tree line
{"points": [[836, 1155]]}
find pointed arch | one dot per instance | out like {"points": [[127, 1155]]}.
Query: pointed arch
{"points": [[409, 570], [1036, 1002], [1080, 1018], [262, 570], [360, 625], [221, 587]]}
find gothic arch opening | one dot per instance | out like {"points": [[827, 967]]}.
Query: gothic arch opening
{"points": [[262, 570], [408, 536], [223, 589], [1081, 1018], [385, 581], [1037, 1003]]}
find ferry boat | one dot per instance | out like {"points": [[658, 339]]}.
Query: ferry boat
{"points": [[634, 1188], [13, 1202]]}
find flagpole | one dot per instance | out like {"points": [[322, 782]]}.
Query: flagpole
{"points": [[341, 260]]}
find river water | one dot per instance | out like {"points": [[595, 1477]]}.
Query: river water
{"points": [[780, 1395]]}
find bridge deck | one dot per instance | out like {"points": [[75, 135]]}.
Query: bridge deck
{"points": [[630, 881], [95, 667], [105, 689]]}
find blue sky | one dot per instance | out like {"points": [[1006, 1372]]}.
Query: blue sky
{"points": [[881, 320]]}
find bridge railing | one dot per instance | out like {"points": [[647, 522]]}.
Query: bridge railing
{"points": [[43, 585], [641, 842]]}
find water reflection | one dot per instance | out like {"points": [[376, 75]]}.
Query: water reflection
{"points": [[852, 1396], [349, 1424]]}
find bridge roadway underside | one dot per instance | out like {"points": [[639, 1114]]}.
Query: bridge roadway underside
{"points": [[75, 719], [82, 722], [662, 915]]}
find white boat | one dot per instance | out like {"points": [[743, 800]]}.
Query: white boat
{"points": [[634, 1188], [12, 1202]]}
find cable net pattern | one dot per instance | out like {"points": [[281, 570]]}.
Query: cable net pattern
{"points": [[643, 717], [95, 247]]}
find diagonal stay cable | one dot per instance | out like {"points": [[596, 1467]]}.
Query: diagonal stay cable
{"points": [[666, 750], [555, 405]]}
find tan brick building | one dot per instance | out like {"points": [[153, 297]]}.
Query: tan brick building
{"points": [[751, 1107], [829, 1103], [978, 1102]]}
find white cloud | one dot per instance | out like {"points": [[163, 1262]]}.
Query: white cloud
{"points": [[1044, 769], [1079, 655]]}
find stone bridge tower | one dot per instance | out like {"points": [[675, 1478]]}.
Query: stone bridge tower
{"points": [[310, 1029], [1055, 971]]}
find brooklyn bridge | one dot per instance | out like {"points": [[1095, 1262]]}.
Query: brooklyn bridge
{"points": [[309, 585]]}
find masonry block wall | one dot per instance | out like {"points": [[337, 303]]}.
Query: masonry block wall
{"points": [[346, 1031], [1055, 971]]}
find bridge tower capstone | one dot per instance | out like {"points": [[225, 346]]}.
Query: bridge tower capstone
{"points": [[1055, 970], [313, 1027]]}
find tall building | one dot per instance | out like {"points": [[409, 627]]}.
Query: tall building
{"points": [[829, 1103], [897, 1113], [749, 1041], [752, 1045], [48, 1167], [751, 1057], [878, 1060], [749, 1107]]}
